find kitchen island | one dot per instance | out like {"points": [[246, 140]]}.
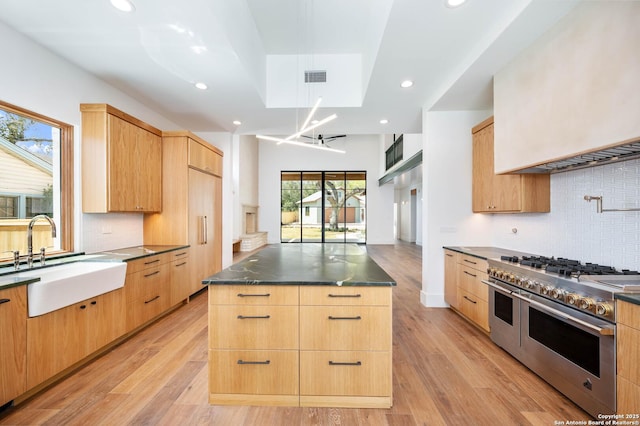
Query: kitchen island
{"points": [[301, 325]]}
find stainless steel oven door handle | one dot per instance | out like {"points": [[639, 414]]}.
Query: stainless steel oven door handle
{"points": [[603, 331], [497, 287]]}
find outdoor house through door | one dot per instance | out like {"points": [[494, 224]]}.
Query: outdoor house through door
{"points": [[327, 207]]}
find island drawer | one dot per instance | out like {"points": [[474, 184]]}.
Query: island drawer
{"points": [[350, 295], [253, 327], [345, 328], [345, 373], [253, 295], [253, 372]]}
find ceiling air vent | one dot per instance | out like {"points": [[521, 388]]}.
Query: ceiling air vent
{"points": [[315, 76]]}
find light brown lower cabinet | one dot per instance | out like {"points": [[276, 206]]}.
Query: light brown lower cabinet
{"points": [[321, 346], [628, 353], [463, 287], [13, 343], [58, 340]]}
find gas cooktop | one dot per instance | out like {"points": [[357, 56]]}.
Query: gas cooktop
{"points": [[588, 287]]}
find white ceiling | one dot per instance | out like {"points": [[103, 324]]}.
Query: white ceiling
{"points": [[156, 54]]}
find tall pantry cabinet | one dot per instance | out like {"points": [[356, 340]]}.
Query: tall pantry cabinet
{"points": [[192, 207]]}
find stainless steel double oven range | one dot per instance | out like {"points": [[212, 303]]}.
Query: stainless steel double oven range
{"points": [[557, 317]]}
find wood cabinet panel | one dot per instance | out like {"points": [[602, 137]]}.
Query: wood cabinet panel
{"points": [[469, 281], [364, 328], [204, 159], [192, 211], [345, 373], [474, 308], [121, 162], [182, 286], [451, 277], [627, 355], [148, 294], [493, 193], [57, 340], [254, 295], [332, 295], [13, 343], [254, 372], [251, 327]]}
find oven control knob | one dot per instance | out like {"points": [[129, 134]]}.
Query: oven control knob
{"points": [[557, 293], [547, 289], [603, 309], [572, 299], [500, 273], [511, 278], [519, 281], [530, 284], [586, 303]]}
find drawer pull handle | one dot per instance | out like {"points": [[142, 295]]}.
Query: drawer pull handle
{"points": [[151, 274], [344, 318], [473, 275], [254, 317], [469, 261], [151, 300], [83, 306], [4, 301], [241, 362], [152, 261], [472, 301], [181, 264], [94, 302], [345, 295], [254, 295], [180, 254], [345, 363]]}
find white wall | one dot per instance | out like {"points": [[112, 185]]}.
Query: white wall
{"points": [[447, 219], [49, 85], [362, 154]]}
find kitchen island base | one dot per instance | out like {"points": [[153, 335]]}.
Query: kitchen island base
{"points": [[302, 343]]}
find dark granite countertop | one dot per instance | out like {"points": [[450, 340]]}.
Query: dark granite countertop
{"points": [[487, 252], [306, 264], [629, 297], [9, 279]]}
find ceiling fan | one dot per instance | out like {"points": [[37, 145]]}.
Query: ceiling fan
{"points": [[321, 139]]}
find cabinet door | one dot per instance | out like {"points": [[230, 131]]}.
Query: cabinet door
{"points": [[205, 224], [450, 278], [13, 343], [182, 286], [148, 294], [107, 315], [56, 341], [122, 165], [482, 170], [149, 171]]}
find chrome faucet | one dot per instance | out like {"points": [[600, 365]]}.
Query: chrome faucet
{"points": [[30, 238]]}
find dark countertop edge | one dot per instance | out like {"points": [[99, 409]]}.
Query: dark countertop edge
{"points": [[485, 252], [629, 297], [302, 283], [6, 280]]}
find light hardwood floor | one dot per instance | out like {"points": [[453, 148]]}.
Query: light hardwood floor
{"points": [[446, 372]]}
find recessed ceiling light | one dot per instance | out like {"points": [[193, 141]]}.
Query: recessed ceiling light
{"points": [[123, 5], [201, 86], [314, 121], [454, 3], [406, 83], [237, 122], [384, 121]]}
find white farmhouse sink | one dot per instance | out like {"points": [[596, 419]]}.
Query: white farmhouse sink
{"points": [[69, 283]]}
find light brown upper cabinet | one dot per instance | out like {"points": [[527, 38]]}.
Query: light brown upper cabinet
{"points": [[121, 162], [526, 193]]}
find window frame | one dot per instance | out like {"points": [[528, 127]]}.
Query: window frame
{"points": [[65, 222]]}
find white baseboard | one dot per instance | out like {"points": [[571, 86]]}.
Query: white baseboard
{"points": [[433, 300]]}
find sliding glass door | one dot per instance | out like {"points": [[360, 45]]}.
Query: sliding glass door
{"points": [[323, 207]]}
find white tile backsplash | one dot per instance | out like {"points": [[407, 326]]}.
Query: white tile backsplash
{"points": [[574, 228], [109, 231]]}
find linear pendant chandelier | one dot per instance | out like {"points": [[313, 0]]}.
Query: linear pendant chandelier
{"points": [[293, 138]]}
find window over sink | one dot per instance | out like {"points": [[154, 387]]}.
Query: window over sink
{"points": [[36, 177]]}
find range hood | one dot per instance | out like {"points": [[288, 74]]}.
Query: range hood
{"points": [[614, 154]]}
